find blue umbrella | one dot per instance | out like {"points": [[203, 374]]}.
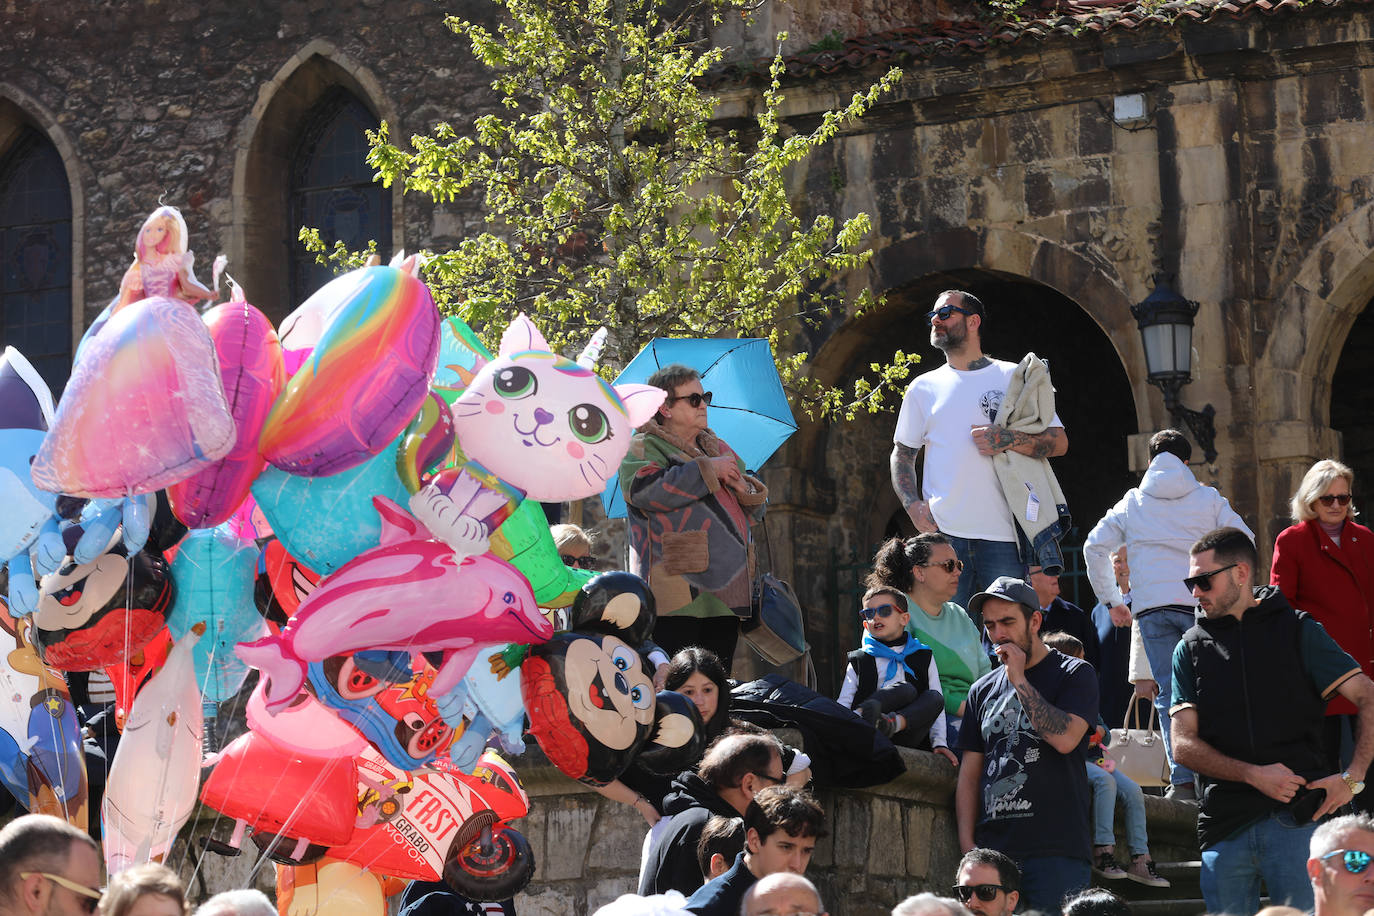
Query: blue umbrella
{"points": [[748, 408]]}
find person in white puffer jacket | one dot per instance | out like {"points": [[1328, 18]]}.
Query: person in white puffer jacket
{"points": [[1158, 522]]}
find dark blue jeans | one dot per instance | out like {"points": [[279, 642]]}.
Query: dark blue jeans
{"points": [[983, 562], [1274, 849], [1047, 880]]}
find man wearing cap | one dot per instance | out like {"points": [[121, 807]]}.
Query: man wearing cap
{"points": [[949, 413], [1023, 787]]}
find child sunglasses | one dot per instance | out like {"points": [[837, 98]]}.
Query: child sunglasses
{"points": [[883, 610]]}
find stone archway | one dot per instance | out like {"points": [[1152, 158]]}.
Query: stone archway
{"points": [[834, 494], [263, 149], [1313, 369], [18, 108]]}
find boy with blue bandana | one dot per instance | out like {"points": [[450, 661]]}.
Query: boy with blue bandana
{"points": [[891, 680]]}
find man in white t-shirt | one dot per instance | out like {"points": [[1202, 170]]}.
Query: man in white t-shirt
{"points": [[949, 413]]}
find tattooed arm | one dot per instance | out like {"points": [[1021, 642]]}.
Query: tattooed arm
{"points": [[993, 439], [1062, 730], [908, 491]]}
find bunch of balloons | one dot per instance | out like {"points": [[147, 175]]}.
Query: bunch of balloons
{"points": [[349, 506]]}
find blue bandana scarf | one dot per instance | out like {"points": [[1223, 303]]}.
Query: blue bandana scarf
{"points": [[895, 655]]}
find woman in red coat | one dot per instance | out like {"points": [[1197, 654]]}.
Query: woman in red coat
{"points": [[1324, 565]]}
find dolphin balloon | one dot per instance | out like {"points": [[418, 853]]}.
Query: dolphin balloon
{"points": [[144, 809], [408, 594]]}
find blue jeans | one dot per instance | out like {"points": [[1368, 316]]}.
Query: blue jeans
{"points": [[1047, 880], [1160, 630], [1272, 849], [1107, 789], [984, 561]]}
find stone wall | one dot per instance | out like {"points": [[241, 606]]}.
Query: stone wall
{"points": [[886, 843]]}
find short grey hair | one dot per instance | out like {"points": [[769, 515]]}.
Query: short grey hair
{"points": [[1314, 483], [1328, 836], [928, 904], [244, 902]]}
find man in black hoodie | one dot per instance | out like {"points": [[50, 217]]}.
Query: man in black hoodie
{"points": [[733, 770]]}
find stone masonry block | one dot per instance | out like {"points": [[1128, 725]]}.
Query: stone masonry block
{"points": [[617, 839], [568, 832], [919, 835], [851, 820], [886, 852]]}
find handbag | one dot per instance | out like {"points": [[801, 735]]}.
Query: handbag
{"points": [[775, 629], [1139, 752]]}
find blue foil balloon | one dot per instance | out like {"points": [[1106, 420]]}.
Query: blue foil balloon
{"points": [[214, 574], [326, 521]]}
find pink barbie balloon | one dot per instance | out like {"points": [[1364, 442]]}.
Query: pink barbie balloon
{"points": [[530, 424], [250, 365], [145, 407], [364, 381], [409, 594]]}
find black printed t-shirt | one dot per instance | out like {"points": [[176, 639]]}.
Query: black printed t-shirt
{"points": [[1032, 800]]}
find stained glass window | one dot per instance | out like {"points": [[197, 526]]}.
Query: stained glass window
{"points": [[36, 246], [332, 189]]}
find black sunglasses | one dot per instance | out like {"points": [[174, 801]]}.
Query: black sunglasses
{"points": [[587, 562], [1203, 581], [944, 311], [1354, 860], [775, 780], [1331, 499], [882, 610], [696, 398], [949, 566], [985, 892]]}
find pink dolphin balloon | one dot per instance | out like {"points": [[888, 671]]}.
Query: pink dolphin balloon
{"points": [[250, 364], [408, 594]]}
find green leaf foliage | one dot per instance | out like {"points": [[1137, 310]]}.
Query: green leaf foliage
{"points": [[614, 195]]}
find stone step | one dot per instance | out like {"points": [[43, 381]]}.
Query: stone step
{"points": [[1183, 880], [1168, 907]]}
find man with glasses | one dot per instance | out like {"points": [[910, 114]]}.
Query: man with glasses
{"points": [[1342, 881], [734, 769], [989, 883], [1250, 686], [1157, 522], [783, 894], [949, 413], [47, 867]]}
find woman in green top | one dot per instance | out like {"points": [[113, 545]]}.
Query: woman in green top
{"points": [[926, 569]]}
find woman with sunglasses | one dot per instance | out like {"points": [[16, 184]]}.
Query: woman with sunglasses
{"points": [[690, 505], [925, 569], [1324, 564]]}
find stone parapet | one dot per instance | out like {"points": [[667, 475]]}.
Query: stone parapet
{"points": [[886, 842]]}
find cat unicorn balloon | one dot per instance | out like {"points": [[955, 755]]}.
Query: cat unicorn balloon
{"points": [[530, 424]]}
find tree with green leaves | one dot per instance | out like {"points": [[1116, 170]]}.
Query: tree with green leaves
{"points": [[614, 196]]}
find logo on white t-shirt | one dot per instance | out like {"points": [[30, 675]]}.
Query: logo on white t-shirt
{"points": [[991, 402]]}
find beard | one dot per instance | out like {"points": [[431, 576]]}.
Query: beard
{"points": [[952, 338]]}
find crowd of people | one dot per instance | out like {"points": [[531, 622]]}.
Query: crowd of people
{"points": [[1263, 692]]}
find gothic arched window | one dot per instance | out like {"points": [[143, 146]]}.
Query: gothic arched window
{"points": [[36, 253], [332, 188]]}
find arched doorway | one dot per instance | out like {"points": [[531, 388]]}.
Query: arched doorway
{"points": [[1352, 402], [1095, 402]]}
